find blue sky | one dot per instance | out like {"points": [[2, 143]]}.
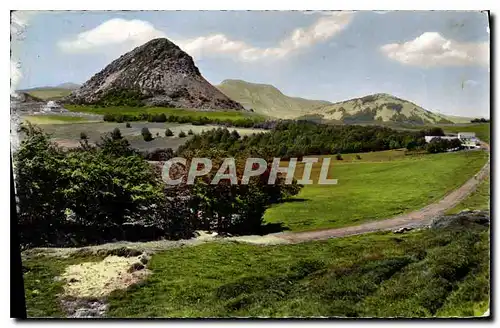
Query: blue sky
{"points": [[438, 60]]}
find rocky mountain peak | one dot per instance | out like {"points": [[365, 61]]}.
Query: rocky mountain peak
{"points": [[158, 73]]}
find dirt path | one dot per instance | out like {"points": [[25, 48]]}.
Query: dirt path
{"points": [[417, 218]]}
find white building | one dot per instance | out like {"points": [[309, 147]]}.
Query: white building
{"points": [[468, 139], [466, 135], [429, 138], [52, 106]]}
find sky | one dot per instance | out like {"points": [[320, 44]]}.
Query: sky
{"points": [[436, 59]]}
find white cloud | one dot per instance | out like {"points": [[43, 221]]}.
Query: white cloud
{"points": [[15, 76], [130, 33], [470, 83], [431, 49], [19, 21], [116, 31], [328, 25]]}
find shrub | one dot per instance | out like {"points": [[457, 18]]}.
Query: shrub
{"points": [[182, 134], [146, 134], [235, 208], [158, 154], [168, 133], [116, 134]]}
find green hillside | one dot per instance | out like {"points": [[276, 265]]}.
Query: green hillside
{"points": [[380, 107], [268, 100]]}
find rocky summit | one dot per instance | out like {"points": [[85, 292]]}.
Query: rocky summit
{"points": [[158, 73]]}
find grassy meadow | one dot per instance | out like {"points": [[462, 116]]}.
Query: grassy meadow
{"points": [[49, 93], [55, 119], [433, 272], [221, 115], [372, 189], [482, 130], [478, 200]]}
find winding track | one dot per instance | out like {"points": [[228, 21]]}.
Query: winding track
{"points": [[416, 218]]}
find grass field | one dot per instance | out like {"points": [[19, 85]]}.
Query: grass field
{"points": [[433, 272], [478, 200], [70, 133], [482, 130], [374, 190], [55, 119], [222, 115]]}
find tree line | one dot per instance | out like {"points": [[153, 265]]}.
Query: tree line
{"points": [[297, 139]]}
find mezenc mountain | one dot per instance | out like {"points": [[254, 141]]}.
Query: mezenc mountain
{"points": [[380, 107], [267, 99], [158, 73]]}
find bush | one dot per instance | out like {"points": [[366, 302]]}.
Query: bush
{"points": [[437, 145], [83, 136], [182, 134], [116, 134], [146, 134], [86, 196], [236, 209], [168, 133], [158, 154], [127, 125]]}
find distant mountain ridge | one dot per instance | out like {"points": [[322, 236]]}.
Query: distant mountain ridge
{"points": [[268, 100], [381, 107]]}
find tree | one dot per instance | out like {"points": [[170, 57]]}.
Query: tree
{"points": [[84, 196], [146, 134], [168, 133], [235, 208], [39, 185], [116, 134], [182, 134]]}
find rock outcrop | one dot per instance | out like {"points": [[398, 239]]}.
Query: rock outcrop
{"points": [[158, 73]]}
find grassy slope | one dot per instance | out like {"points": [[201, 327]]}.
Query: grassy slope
{"points": [[478, 200], [384, 112], [49, 93], [267, 100], [482, 130], [373, 275], [41, 289], [223, 115], [432, 272], [369, 191]]}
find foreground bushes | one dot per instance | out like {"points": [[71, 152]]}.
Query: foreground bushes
{"points": [[110, 192]]}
